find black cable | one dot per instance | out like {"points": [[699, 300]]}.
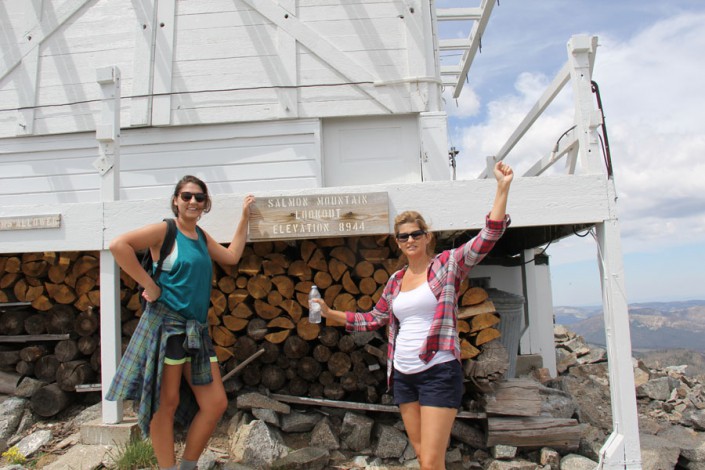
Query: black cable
{"points": [[174, 93], [582, 236], [606, 144]]}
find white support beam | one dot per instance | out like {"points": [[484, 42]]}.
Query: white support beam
{"points": [[288, 73], [622, 448], [538, 338], [343, 64], [108, 165], [38, 34], [559, 81], [581, 48], [475, 36], [27, 84], [454, 44], [143, 63], [567, 145], [163, 62], [458, 14]]}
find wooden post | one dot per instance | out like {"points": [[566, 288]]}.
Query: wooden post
{"points": [[622, 448], [538, 338], [108, 165], [581, 53]]}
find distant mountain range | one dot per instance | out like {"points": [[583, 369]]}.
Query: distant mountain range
{"points": [[653, 325]]}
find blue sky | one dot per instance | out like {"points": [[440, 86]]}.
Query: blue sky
{"points": [[650, 67]]}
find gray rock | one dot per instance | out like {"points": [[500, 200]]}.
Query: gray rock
{"points": [[565, 360], [207, 460], [308, 458], [409, 453], [11, 411], [89, 414], [356, 431], [390, 442], [236, 466], [454, 456], [695, 419], [593, 356], [324, 436], [656, 389], [32, 443], [266, 415], [503, 452], [556, 403], [591, 442], [550, 458], [588, 385], [90, 456], [256, 445], [695, 454], [299, 422], [257, 400], [28, 420], [658, 453], [512, 465], [577, 462]]}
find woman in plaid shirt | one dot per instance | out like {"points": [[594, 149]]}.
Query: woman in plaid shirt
{"points": [[419, 303]]}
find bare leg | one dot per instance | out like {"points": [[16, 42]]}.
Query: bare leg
{"points": [[161, 428], [212, 403], [436, 424], [411, 415]]}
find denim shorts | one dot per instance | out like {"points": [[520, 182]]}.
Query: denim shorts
{"points": [[440, 386], [176, 354]]}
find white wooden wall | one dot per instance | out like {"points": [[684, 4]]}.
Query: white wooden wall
{"points": [[234, 158], [186, 62]]}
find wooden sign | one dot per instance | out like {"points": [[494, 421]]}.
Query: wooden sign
{"points": [[319, 216], [30, 222]]}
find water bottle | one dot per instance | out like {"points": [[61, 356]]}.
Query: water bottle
{"points": [[314, 310]]}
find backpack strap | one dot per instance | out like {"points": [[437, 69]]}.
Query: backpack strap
{"points": [[167, 245]]}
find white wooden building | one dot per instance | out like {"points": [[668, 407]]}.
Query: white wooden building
{"points": [[105, 104]]}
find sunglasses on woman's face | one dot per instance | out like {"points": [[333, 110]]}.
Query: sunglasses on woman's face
{"points": [[186, 196], [415, 235]]}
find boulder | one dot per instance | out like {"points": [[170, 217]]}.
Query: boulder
{"points": [[257, 445]]}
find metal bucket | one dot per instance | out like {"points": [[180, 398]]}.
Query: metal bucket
{"points": [[510, 308]]}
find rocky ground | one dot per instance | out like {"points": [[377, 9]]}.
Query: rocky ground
{"points": [[259, 432]]}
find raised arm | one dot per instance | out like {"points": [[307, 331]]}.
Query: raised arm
{"points": [[231, 255], [504, 174]]}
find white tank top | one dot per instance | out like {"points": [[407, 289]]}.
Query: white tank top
{"points": [[415, 310]]}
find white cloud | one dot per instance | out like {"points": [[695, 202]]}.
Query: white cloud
{"points": [[466, 105], [651, 86]]}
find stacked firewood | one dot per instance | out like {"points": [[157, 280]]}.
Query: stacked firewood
{"points": [[49, 323], [260, 304]]}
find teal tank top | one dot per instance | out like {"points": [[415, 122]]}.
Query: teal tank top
{"points": [[186, 276]]}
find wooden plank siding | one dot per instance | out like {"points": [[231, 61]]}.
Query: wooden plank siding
{"points": [[231, 158], [214, 62]]}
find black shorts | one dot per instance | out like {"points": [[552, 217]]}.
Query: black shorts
{"points": [[440, 386], [176, 354]]}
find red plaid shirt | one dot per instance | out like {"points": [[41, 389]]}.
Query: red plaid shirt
{"points": [[445, 273]]}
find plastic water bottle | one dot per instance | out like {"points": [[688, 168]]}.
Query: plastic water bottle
{"points": [[314, 310]]}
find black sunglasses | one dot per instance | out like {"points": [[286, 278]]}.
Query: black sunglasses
{"points": [[186, 196], [415, 235]]}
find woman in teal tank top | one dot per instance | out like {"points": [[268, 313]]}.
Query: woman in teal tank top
{"points": [[171, 342]]}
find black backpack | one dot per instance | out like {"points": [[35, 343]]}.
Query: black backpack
{"points": [[165, 250]]}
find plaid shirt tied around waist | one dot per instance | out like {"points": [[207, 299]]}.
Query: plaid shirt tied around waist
{"points": [[139, 373], [445, 273]]}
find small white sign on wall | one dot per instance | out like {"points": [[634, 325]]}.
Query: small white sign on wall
{"points": [[30, 222]]}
